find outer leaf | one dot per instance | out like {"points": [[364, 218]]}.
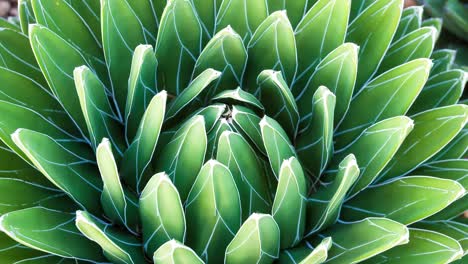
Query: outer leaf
{"points": [[373, 30], [272, 46], [75, 175], [419, 197], [50, 231], [391, 94], [442, 123], [257, 241], [178, 45], [289, 206], [410, 21], [239, 96], [456, 149], [137, 158], [323, 207], [424, 247], [243, 16], [213, 191], [278, 100], [320, 31], [120, 248], [173, 252], [161, 212], [248, 123], [358, 241], [235, 152], [183, 157], [453, 229], [315, 144], [374, 149], [442, 60], [307, 254]]}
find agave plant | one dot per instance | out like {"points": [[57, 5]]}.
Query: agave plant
{"points": [[230, 131]]}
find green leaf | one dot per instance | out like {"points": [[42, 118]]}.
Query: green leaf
{"points": [[178, 45], [410, 21], [118, 247], [272, 46], [50, 49], [243, 16], [442, 89], [278, 100], [337, 71], [225, 53], [307, 254], [191, 93], [89, 11], [257, 241], [373, 31], [76, 175], [238, 96], [418, 197], [118, 204], [50, 231], [289, 206], [442, 60], [221, 126], [26, 15], [389, 95], [358, 241], [446, 169], [314, 145], [357, 7], [456, 149], [173, 252], [417, 44], [100, 118], [141, 88], [295, 9], [207, 13], [161, 212], [433, 130], [374, 149], [136, 161], [236, 153], [121, 36], [453, 229], [321, 30], [213, 212], [277, 144], [435, 22], [183, 157], [424, 247], [7, 23], [248, 123], [323, 207]]}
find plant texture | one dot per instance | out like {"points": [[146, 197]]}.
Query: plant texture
{"points": [[231, 131]]}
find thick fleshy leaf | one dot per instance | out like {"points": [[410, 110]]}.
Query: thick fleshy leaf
{"points": [[337, 71], [8, 23], [373, 31], [295, 9], [442, 89], [137, 158], [118, 247], [221, 126], [358, 241], [225, 53], [243, 16], [277, 144], [26, 15], [435, 22], [161, 212], [323, 206], [373, 149], [442, 60], [320, 31], [141, 88], [257, 241], [446, 169], [307, 254], [272, 46], [207, 12], [248, 123], [432, 131], [50, 231], [389, 95], [173, 252], [424, 247], [418, 197], [314, 144], [118, 204], [121, 36], [453, 229], [417, 44], [236, 153], [100, 119], [213, 191], [456, 149], [410, 21], [289, 206], [76, 175], [183, 157], [278, 100], [238, 96], [178, 45]]}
